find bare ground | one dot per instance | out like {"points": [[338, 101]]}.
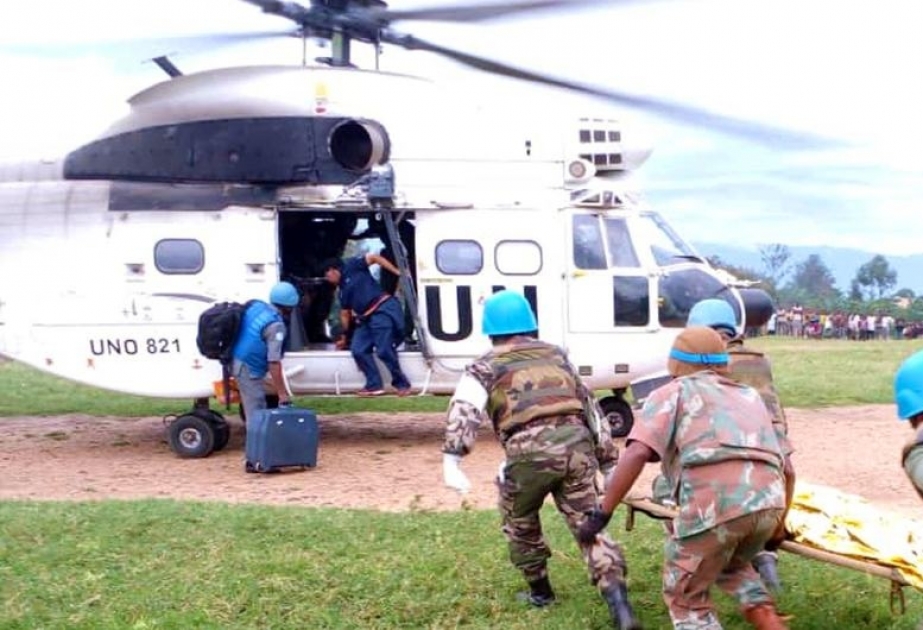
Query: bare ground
{"points": [[381, 461]]}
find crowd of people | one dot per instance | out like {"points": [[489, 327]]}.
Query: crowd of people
{"points": [[797, 321]]}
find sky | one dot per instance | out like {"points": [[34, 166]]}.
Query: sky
{"points": [[839, 69]]}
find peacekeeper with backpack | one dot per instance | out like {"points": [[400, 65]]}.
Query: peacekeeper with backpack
{"points": [[555, 440], [259, 348]]}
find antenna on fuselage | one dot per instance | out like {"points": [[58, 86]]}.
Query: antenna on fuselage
{"points": [[167, 66]]}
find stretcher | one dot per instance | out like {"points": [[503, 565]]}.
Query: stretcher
{"points": [[895, 572]]}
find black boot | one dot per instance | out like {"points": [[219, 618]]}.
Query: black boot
{"points": [[540, 593], [623, 617]]}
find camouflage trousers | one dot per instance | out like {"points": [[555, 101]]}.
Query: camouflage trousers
{"points": [[719, 556], [557, 461]]}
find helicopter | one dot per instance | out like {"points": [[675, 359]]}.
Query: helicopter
{"points": [[218, 184]]}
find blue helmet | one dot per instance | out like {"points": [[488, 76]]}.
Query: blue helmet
{"points": [[284, 294], [713, 313], [507, 313], [908, 387]]}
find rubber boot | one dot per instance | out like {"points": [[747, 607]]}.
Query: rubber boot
{"points": [[766, 564], [540, 593], [623, 617], [764, 617]]}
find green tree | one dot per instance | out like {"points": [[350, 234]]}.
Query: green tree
{"points": [[813, 283], [875, 277], [905, 293], [855, 291], [775, 257]]}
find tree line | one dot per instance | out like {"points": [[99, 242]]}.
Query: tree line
{"points": [[811, 284]]}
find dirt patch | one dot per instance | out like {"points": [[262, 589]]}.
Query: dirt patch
{"points": [[381, 461]]}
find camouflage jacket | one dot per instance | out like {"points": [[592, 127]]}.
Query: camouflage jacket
{"points": [[718, 448], [752, 368], [522, 381]]}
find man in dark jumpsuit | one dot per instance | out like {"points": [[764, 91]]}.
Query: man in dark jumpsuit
{"points": [[376, 318], [536, 402]]}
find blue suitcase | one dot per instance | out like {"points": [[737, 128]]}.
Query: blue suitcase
{"points": [[278, 438]]}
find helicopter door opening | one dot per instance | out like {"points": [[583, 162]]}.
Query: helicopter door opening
{"points": [[608, 289], [307, 240]]}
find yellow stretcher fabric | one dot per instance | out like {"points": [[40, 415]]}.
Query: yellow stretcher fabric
{"points": [[848, 525]]}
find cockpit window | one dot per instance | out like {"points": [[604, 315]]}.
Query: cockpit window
{"points": [[589, 249], [631, 295], [621, 250], [679, 290], [666, 246]]}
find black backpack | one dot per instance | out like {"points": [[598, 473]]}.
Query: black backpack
{"points": [[219, 326]]}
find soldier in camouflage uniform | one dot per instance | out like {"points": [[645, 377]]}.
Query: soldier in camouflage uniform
{"points": [[536, 402], [752, 368], [908, 395], [722, 459]]}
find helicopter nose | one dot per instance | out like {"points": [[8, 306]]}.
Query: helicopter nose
{"points": [[758, 306]]}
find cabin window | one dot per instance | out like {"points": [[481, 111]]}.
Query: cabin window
{"points": [[179, 256], [621, 250], [459, 258], [631, 295], [589, 249], [518, 258]]}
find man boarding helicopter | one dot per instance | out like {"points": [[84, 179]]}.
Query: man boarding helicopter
{"points": [[211, 190]]}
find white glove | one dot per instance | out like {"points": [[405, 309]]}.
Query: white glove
{"points": [[452, 473]]}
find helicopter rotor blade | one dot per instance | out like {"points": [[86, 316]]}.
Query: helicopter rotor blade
{"points": [[363, 23], [153, 45], [478, 12], [669, 110], [291, 10]]}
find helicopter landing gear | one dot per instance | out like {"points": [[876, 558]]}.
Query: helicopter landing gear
{"points": [[198, 433], [619, 414]]}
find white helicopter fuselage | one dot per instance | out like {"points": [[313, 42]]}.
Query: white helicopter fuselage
{"points": [[102, 280]]}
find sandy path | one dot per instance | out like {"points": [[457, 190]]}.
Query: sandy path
{"points": [[382, 461]]}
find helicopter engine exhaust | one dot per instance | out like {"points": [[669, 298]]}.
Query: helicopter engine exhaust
{"points": [[358, 145], [758, 307]]}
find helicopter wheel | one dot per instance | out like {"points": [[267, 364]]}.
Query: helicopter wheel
{"points": [[222, 432], [619, 414], [192, 436], [219, 425]]}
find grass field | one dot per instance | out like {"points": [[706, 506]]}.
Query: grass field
{"points": [[808, 373], [166, 564]]}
